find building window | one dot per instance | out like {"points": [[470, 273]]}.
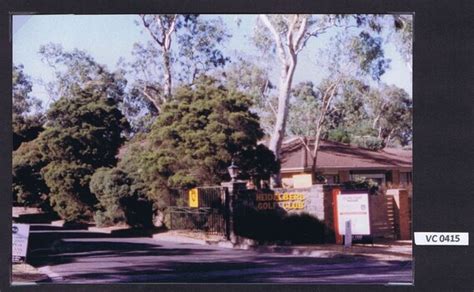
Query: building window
{"points": [[377, 177]]}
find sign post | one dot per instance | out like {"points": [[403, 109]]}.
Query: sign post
{"points": [[20, 234], [348, 235], [353, 208]]}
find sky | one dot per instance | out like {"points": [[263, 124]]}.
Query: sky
{"points": [[109, 37]]}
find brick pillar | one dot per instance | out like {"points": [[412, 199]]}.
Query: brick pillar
{"points": [[395, 178], [334, 193], [400, 197]]}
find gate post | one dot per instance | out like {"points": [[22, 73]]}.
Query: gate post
{"points": [[231, 191], [400, 197]]}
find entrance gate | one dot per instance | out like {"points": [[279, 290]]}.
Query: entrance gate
{"points": [[205, 211]]}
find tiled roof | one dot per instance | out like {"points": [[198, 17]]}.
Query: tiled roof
{"points": [[332, 155]]}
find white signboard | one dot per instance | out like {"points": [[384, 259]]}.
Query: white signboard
{"points": [[353, 207], [20, 233]]}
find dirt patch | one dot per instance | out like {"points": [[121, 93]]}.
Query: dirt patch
{"points": [[196, 235], [26, 274]]}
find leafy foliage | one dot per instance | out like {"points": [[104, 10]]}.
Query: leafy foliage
{"points": [[29, 187], [86, 128], [391, 109], [76, 70], [362, 184], [202, 131], [83, 133], [26, 118], [251, 75], [25, 129], [371, 118], [304, 110], [120, 199], [195, 138], [368, 52], [403, 36], [69, 190]]}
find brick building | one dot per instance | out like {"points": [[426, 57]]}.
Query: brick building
{"points": [[339, 163]]}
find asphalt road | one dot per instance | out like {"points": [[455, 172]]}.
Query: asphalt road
{"points": [[77, 256]]}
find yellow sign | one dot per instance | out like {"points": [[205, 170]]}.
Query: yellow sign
{"points": [[302, 180], [287, 201], [193, 198]]}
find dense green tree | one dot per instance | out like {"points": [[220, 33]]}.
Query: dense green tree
{"points": [[82, 133], [121, 200], [28, 186], [69, 194], [75, 70], [195, 138], [25, 129], [26, 118], [348, 120], [205, 127], [86, 128]]}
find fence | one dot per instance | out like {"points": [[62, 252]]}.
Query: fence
{"points": [[300, 215], [208, 216]]}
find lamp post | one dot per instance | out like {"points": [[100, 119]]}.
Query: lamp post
{"points": [[230, 195], [233, 171]]}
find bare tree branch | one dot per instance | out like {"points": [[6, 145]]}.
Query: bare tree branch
{"points": [[147, 26], [169, 32], [151, 98], [300, 34], [276, 36]]}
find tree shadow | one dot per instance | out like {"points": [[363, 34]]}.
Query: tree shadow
{"points": [[51, 245], [247, 268]]}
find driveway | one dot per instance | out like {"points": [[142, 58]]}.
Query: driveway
{"points": [[77, 256]]}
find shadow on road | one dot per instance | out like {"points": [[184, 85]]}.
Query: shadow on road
{"points": [[92, 257], [248, 270]]}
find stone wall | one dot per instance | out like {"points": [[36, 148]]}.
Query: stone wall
{"points": [[389, 214], [318, 203], [314, 198]]}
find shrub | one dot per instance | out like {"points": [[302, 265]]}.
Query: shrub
{"points": [[120, 200], [82, 133], [303, 228], [69, 190], [28, 186], [362, 184], [277, 225]]}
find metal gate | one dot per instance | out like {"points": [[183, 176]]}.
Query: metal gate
{"points": [[206, 212]]}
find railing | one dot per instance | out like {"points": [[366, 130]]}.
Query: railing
{"points": [[209, 216]]}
